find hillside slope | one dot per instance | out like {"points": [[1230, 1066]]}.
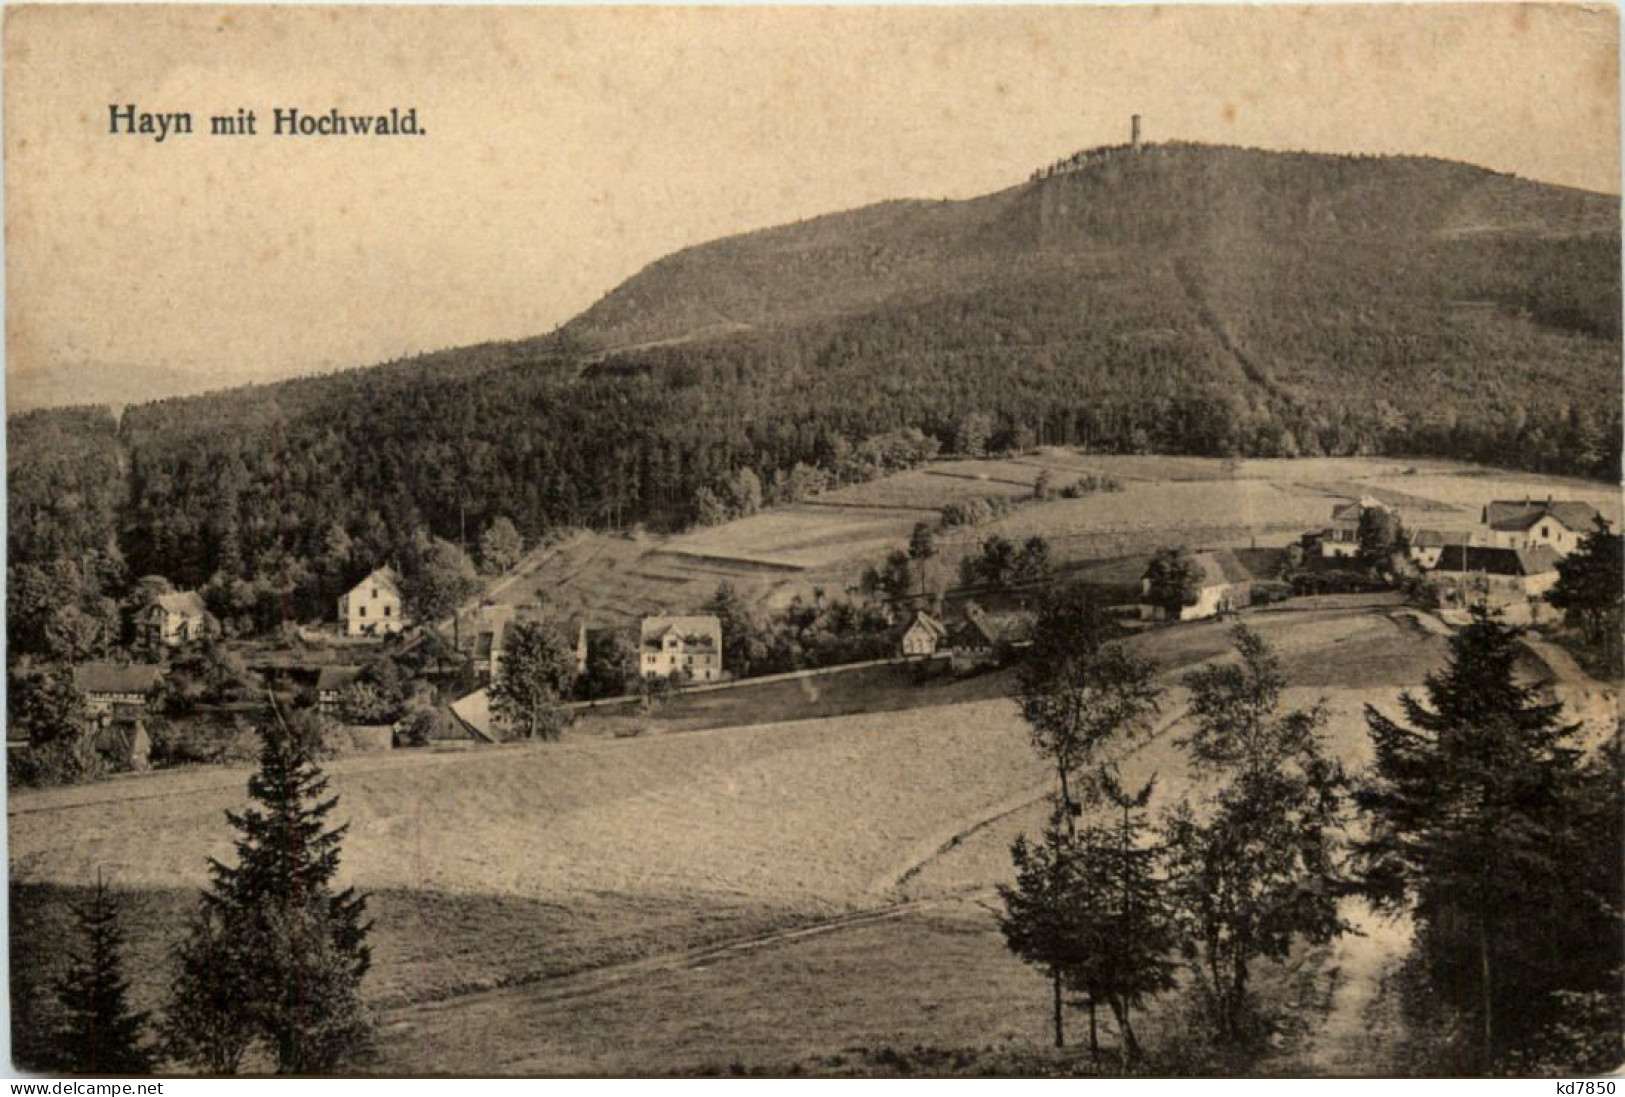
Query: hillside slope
{"points": [[1187, 299], [1224, 201]]}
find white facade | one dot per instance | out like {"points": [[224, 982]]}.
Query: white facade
{"points": [[373, 607], [681, 645]]}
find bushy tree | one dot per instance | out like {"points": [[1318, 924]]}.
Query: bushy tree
{"points": [[1175, 581], [612, 664], [922, 546], [441, 578], [275, 955], [99, 1032], [1380, 535], [1486, 828], [1078, 690], [536, 676], [500, 545], [1258, 868]]}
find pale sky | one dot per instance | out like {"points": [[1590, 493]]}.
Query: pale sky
{"points": [[567, 148]]}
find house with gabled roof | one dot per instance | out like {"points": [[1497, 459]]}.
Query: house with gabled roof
{"points": [[1426, 545], [923, 635], [677, 645], [1496, 572], [1223, 585], [373, 607], [116, 689], [1341, 537], [171, 620], [330, 683], [1558, 524]]}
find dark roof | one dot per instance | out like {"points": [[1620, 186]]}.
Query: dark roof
{"points": [[116, 677], [1433, 538], [1483, 559], [1511, 515], [332, 678], [703, 631], [930, 623]]}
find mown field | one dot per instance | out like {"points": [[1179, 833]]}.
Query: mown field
{"points": [[777, 894], [826, 542]]}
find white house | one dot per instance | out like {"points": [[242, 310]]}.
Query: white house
{"points": [[677, 644], [1426, 545], [923, 635], [178, 618], [1223, 585], [1556, 524], [373, 606], [1342, 536]]}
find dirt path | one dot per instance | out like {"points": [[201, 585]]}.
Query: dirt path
{"points": [[1356, 1037]]}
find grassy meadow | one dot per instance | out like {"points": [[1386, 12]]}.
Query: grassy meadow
{"points": [[826, 541]]}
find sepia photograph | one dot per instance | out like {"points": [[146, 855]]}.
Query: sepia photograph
{"points": [[839, 542]]}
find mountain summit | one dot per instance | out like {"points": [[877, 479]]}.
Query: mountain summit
{"points": [[1126, 209]]}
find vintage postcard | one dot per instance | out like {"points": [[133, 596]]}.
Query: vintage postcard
{"points": [[860, 542]]}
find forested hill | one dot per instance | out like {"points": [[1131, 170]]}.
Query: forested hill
{"points": [[1184, 299], [1245, 205]]}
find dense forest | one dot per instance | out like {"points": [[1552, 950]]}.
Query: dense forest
{"points": [[1199, 301]]}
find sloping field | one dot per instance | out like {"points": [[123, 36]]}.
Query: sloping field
{"points": [[827, 541], [807, 813]]}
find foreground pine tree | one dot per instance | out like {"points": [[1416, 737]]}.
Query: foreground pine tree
{"points": [[99, 1034], [274, 957], [1503, 847]]}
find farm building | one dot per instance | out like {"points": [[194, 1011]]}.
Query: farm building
{"points": [[1495, 573], [1426, 545], [373, 607], [981, 638], [922, 636], [330, 682], [1223, 585], [175, 619], [1558, 525], [1342, 536], [675, 644], [116, 689]]}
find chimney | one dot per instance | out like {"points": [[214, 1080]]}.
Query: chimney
{"points": [[1134, 132]]}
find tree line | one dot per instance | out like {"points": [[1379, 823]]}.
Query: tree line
{"points": [[1481, 818]]}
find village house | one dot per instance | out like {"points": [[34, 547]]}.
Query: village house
{"points": [[116, 690], [373, 606], [922, 636], [175, 619], [1426, 545], [981, 638], [1495, 574], [1342, 537], [1556, 524], [677, 644], [330, 682], [1223, 585]]}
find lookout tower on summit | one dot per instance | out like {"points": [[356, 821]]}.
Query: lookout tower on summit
{"points": [[1134, 132]]}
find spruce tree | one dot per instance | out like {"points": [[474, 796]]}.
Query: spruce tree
{"points": [[275, 950], [1483, 823], [99, 1034]]}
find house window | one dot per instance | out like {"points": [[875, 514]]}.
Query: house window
{"points": [[375, 592], [363, 610], [386, 611]]}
